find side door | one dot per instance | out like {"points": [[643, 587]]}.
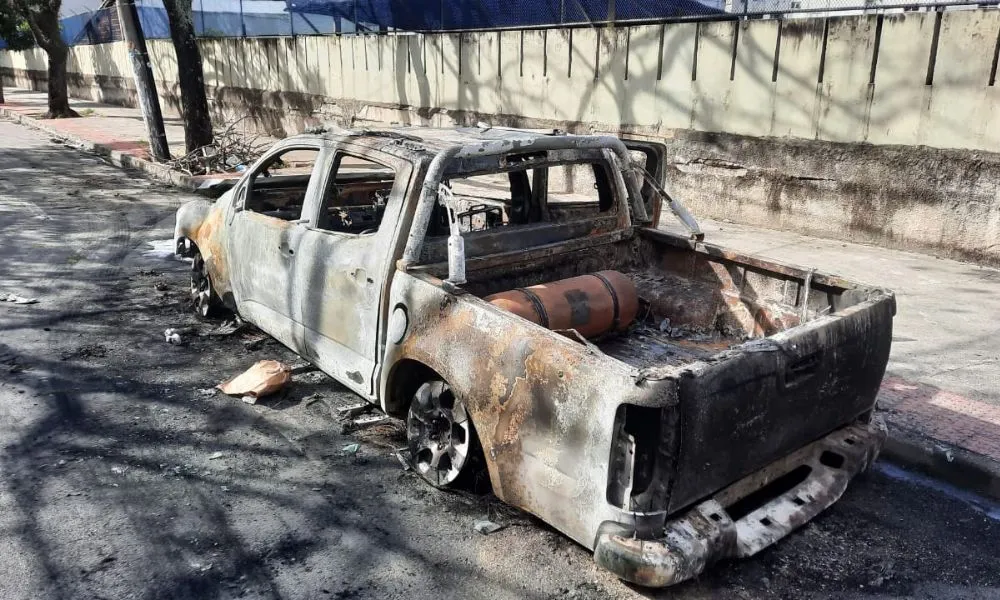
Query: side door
{"points": [[344, 262], [265, 231]]}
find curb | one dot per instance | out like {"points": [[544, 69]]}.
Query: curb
{"points": [[115, 157], [960, 467]]}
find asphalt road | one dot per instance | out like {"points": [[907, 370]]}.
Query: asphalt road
{"points": [[122, 477]]}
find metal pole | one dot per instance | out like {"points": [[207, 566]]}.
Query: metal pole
{"points": [[149, 102], [243, 24]]}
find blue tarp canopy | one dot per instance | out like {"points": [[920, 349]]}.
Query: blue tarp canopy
{"points": [[485, 14]]}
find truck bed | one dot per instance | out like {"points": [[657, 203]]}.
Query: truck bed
{"points": [[693, 305], [700, 309]]}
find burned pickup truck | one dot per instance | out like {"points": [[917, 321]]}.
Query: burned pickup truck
{"points": [[512, 296]]}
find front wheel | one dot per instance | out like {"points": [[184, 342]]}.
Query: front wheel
{"points": [[441, 440], [206, 302]]}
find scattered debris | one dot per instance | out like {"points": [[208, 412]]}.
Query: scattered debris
{"points": [[403, 456], [17, 299], [206, 392], [486, 527], [352, 410], [216, 455], [304, 367], [160, 286], [264, 378], [175, 335], [350, 449], [312, 399], [226, 329], [119, 470], [364, 422], [314, 376], [254, 342], [946, 451], [231, 149]]}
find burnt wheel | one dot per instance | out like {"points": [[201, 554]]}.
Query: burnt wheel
{"points": [[440, 435], [203, 296]]}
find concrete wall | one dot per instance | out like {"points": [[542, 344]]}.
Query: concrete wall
{"points": [[845, 127]]}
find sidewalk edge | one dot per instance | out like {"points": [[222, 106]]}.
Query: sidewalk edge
{"points": [[960, 467], [116, 157]]}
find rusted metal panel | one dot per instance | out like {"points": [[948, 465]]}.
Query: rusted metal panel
{"points": [[541, 404], [718, 528]]}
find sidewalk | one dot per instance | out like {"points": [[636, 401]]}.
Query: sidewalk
{"points": [[941, 394], [117, 132], [116, 127]]}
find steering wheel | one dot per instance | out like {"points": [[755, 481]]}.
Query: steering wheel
{"points": [[367, 231]]}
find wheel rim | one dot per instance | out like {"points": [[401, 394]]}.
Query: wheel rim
{"points": [[201, 287], [438, 431]]}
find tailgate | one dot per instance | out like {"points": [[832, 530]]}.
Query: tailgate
{"points": [[773, 396]]}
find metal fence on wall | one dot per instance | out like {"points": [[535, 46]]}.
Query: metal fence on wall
{"points": [[260, 18]]}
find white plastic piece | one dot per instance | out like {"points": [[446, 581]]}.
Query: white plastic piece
{"points": [[397, 325]]}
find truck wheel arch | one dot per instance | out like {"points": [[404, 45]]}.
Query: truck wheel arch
{"points": [[405, 378]]}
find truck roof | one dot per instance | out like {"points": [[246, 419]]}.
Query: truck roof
{"points": [[431, 140]]}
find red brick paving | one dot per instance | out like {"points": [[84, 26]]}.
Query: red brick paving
{"points": [[85, 128], [942, 415]]}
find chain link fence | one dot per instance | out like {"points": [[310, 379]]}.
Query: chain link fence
{"points": [[261, 18]]}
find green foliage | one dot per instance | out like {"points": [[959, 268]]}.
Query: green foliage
{"points": [[14, 28]]}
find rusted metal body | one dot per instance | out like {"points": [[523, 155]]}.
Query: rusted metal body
{"points": [[732, 370], [710, 530]]}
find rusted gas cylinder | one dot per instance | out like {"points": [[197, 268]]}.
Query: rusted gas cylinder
{"points": [[591, 304]]}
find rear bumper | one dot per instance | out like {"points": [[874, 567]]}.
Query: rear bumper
{"points": [[747, 516]]}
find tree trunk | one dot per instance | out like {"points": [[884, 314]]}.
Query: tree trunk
{"points": [[44, 24], [58, 96], [191, 77]]}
